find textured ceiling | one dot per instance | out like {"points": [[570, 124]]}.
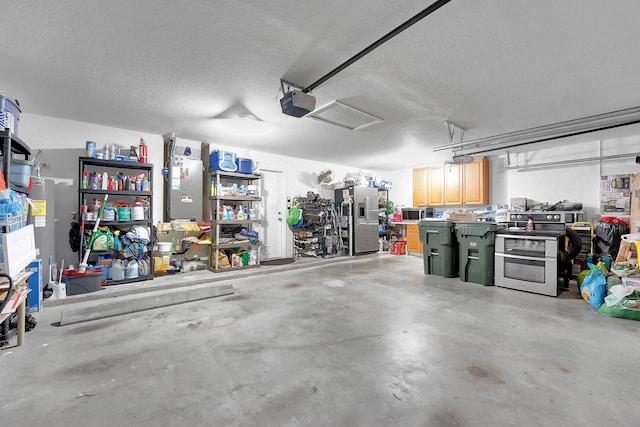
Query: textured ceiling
{"points": [[489, 66]]}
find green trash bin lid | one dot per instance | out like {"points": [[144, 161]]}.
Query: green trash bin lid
{"points": [[475, 228], [435, 223]]}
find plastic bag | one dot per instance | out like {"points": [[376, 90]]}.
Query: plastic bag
{"points": [[294, 217], [628, 307], [594, 286], [608, 232]]}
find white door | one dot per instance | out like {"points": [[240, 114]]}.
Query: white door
{"points": [[274, 224]]}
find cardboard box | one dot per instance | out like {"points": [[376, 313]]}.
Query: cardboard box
{"points": [[463, 216], [627, 251]]}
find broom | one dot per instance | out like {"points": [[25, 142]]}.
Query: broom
{"points": [[83, 265]]}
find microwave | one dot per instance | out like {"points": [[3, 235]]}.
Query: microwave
{"points": [[416, 214]]}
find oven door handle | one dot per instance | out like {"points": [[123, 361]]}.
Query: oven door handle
{"points": [[523, 237], [527, 258]]}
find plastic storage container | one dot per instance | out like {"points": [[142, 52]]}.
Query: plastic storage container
{"points": [[223, 161], [20, 171], [476, 249], [82, 283], [9, 114], [244, 165], [439, 248]]}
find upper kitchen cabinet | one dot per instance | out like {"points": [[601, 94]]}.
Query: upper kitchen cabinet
{"points": [[420, 187], [453, 184], [435, 186], [476, 182]]}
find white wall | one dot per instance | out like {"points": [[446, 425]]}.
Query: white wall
{"points": [[567, 181], [41, 132], [575, 182], [571, 182]]}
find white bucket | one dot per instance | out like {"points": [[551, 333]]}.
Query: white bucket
{"points": [[164, 246], [59, 290], [137, 213]]}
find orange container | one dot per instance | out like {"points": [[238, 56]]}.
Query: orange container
{"points": [[398, 247]]}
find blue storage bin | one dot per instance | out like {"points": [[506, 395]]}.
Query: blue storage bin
{"points": [[244, 165], [20, 171], [105, 271], [223, 161]]}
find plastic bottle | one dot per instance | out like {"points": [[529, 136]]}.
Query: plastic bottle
{"points": [[116, 240], [131, 270], [85, 180], [530, 225], [104, 182], [143, 267], [117, 269]]}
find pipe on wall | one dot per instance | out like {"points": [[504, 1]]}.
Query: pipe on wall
{"points": [[574, 161]]}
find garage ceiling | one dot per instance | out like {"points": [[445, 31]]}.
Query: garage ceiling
{"points": [[158, 66]]}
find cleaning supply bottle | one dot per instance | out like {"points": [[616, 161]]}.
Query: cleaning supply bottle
{"points": [[85, 180], [104, 182], [116, 238], [131, 270], [117, 269]]}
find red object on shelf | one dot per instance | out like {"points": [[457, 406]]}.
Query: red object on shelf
{"points": [[614, 220], [142, 152], [3, 183]]}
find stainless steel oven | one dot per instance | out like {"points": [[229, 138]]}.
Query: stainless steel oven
{"points": [[534, 260], [528, 261]]}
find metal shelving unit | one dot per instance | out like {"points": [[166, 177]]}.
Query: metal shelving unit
{"points": [[223, 231], [317, 235], [114, 166], [12, 145]]}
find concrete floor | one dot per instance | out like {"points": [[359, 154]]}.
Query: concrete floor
{"points": [[368, 342]]}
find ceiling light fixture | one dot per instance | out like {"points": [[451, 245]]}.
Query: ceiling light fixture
{"points": [[550, 132], [238, 120]]}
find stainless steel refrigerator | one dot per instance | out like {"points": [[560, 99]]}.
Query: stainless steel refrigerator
{"points": [[359, 210]]}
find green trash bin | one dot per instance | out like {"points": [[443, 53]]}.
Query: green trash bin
{"points": [[476, 248], [438, 247]]}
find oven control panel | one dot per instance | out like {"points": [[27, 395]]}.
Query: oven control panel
{"points": [[551, 217]]}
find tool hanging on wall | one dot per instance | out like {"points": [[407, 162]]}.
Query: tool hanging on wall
{"points": [[83, 265]]}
